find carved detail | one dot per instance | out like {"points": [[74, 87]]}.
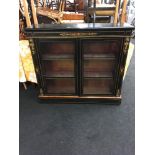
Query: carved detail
{"points": [[127, 39], [30, 40], [122, 70], [73, 34], [31, 43], [118, 92], [37, 70], [126, 45], [41, 91]]}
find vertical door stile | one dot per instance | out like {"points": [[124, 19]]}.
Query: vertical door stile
{"points": [[76, 67], [80, 61]]}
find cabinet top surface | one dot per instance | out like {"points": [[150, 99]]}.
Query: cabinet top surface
{"points": [[81, 26]]}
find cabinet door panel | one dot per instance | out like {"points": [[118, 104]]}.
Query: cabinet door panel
{"points": [[60, 86], [57, 49], [59, 68], [98, 68], [99, 65], [98, 86], [104, 47]]}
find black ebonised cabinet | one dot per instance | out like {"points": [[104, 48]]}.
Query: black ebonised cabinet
{"points": [[80, 62]]}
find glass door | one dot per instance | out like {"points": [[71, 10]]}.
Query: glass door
{"points": [[58, 61], [99, 59]]}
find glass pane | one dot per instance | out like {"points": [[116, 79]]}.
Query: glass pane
{"points": [[57, 49], [59, 68], [101, 48], [98, 68], [98, 86], [61, 86]]}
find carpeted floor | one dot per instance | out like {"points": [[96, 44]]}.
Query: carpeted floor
{"points": [[80, 129]]}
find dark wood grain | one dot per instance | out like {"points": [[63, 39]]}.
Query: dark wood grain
{"points": [[99, 68], [98, 86], [60, 86], [52, 48], [59, 68]]}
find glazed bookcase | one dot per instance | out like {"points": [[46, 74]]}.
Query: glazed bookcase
{"points": [[80, 62]]}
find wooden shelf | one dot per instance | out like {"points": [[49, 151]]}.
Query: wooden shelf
{"points": [[100, 56], [59, 75], [97, 75], [56, 56]]}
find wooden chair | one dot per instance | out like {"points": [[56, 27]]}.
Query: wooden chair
{"points": [[56, 15], [40, 11], [102, 10]]}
